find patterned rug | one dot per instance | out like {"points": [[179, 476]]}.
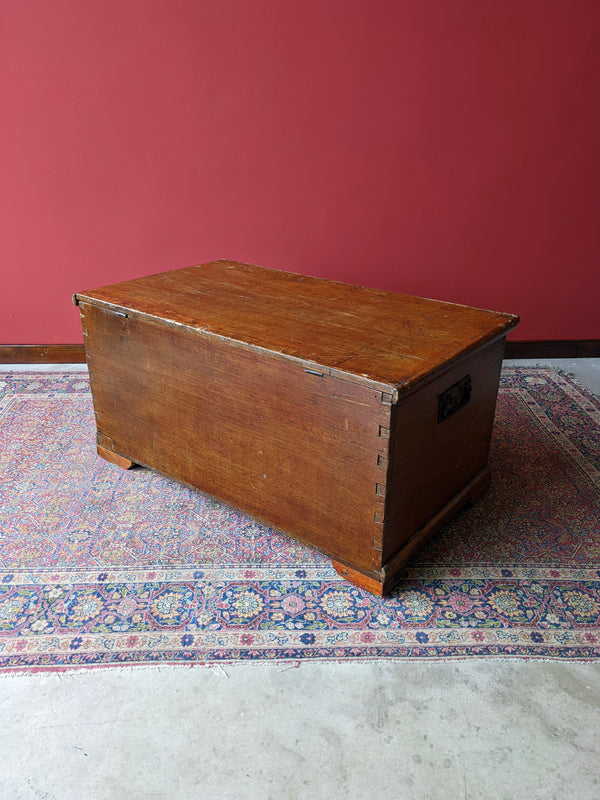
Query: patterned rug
{"points": [[102, 567]]}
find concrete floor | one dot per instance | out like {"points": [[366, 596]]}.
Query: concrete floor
{"points": [[461, 730]]}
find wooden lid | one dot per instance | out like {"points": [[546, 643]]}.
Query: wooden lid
{"points": [[369, 336]]}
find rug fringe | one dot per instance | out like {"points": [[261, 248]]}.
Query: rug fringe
{"points": [[219, 671]]}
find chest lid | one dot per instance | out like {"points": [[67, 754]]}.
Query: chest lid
{"points": [[387, 340]]}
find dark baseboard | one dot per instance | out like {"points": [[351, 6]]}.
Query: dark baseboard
{"points": [[42, 354], [553, 348], [75, 353]]}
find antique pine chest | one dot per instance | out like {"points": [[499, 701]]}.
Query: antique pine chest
{"points": [[357, 421]]}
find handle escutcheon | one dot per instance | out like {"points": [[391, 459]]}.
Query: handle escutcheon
{"points": [[454, 398]]}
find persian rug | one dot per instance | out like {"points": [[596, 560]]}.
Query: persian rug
{"points": [[99, 566]]}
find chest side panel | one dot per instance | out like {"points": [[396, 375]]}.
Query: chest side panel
{"points": [[301, 451], [440, 440]]}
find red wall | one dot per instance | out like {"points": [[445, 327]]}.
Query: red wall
{"points": [[447, 148]]}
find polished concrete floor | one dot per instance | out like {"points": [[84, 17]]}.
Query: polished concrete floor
{"points": [[462, 730]]}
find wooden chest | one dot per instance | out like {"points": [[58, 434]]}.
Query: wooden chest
{"points": [[357, 421]]}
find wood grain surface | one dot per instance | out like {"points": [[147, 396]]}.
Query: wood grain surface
{"points": [[295, 449], [376, 337]]}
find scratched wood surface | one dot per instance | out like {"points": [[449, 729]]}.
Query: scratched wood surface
{"points": [[377, 337]]}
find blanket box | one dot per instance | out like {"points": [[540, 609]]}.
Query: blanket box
{"points": [[355, 420]]}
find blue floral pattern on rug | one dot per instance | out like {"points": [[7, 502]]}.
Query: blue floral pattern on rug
{"points": [[99, 566]]}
